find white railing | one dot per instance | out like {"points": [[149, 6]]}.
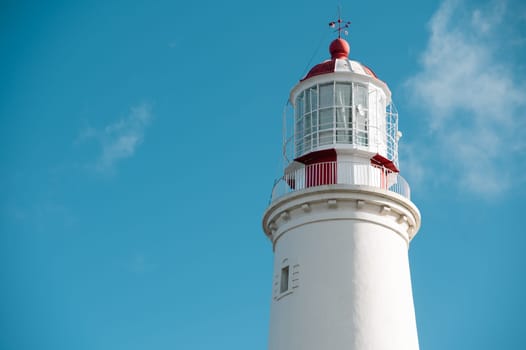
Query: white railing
{"points": [[346, 173]]}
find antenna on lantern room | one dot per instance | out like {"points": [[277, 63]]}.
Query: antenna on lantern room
{"points": [[342, 25]]}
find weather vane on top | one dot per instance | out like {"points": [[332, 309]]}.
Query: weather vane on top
{"points": [[342, 26]]}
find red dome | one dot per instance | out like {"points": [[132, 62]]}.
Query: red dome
{"points": [[339, 62], [339, 48], [339, 65]]}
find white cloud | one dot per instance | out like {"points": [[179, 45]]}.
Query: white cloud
{"points": [[471, 95], [119, 140]]}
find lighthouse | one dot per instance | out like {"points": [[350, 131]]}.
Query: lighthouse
{"points": [[340, 218]]}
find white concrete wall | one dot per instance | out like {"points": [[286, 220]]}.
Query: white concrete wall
{"points": [[352, 287]]}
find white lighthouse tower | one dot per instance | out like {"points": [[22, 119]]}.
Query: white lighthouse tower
{"points": [[340, 218]]}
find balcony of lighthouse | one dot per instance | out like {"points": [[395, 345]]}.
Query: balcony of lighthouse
{"points": [[339, 173]]}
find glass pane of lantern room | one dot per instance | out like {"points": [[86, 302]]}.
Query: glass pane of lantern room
{"points": [[298, 128], [307, 123], [326, 123], [308, 107], [314, 97], [299, 113], [307, 134], [314, 126], [361, 97], [326, 95], [326, 118], [326, 113], [299, 106], [299, 137], [343, 94], [342, 99], [343, 117]]}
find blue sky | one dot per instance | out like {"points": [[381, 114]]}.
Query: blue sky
{"points": [[140, 142]]}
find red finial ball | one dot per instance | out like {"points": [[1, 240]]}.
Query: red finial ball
{"points": [[339, 48]]}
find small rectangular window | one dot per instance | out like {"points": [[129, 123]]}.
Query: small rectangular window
{"points": [[284, 286]]}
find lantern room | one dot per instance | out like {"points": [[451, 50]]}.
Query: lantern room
{"points": [[343, 128], [341, 105]]}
